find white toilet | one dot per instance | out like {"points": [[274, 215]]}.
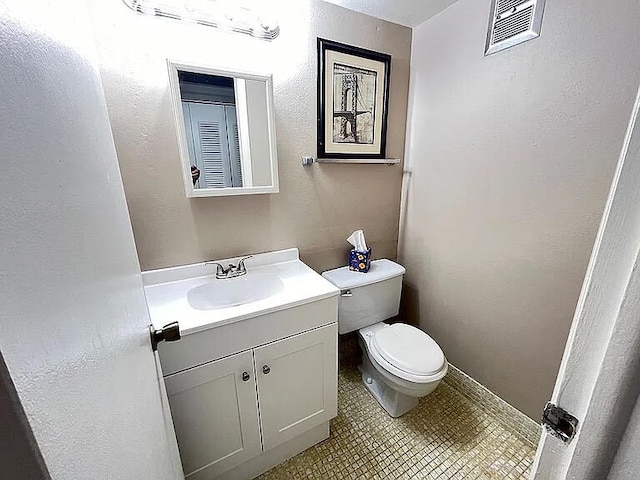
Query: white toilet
{"points": [[400, 363]]}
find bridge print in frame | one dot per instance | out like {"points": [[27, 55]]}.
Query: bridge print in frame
{"points": [[353, 99]]}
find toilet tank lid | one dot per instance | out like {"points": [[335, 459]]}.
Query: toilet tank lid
{"points": [[380, 270]]}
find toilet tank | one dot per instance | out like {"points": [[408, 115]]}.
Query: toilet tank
{"points": [[367, 298]]}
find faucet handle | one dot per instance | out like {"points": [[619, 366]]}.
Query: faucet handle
{"points": [[241, 265], [220, 270]]}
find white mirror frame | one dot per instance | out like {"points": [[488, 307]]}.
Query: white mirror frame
{"points": [[243, 128]]}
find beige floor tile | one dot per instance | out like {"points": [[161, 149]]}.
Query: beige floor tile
{"points": [[447, 436]]}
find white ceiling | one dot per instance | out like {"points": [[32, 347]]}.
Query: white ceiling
{"points": [[410, 13]]}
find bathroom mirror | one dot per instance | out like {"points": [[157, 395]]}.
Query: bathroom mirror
{"points": [[226, 130]]}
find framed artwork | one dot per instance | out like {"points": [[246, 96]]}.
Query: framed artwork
{"points": [[353, 99]]}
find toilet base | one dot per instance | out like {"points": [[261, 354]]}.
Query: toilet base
{"points": [[394, 402]]}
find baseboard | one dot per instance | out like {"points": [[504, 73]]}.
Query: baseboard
{"points": [[506, 414]]}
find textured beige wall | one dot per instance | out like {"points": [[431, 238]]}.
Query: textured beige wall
{"points": [[317, 207], [512, 158]]}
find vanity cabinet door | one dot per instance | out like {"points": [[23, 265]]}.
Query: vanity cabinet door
{"points": [[297, 384], [215, 415]]}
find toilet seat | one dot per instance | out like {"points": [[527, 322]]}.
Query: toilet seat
{"points": [[407, 352]]}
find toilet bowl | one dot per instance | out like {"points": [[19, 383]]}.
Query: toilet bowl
{"points": [[400, 363]]}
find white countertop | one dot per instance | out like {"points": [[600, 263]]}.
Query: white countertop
{"points": [[167, 289]]}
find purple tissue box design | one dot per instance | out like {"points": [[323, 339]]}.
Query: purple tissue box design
{"points": [[360, 261]]}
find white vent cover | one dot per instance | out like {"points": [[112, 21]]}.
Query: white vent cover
{"points": [[513, 22]]}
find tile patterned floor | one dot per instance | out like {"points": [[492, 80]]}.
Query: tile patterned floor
{"points": [[447, 436]]}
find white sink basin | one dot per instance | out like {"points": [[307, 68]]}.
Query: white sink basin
{"points": [[192, 295], [234, 291]]}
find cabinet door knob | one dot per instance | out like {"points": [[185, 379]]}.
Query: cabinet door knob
{"points": [[266, 369], [245, 376]]}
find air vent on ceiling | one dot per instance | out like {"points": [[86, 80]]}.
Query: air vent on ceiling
{"points": [[513, 22]]}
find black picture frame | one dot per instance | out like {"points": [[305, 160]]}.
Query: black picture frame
{"points": [[358, 131]]}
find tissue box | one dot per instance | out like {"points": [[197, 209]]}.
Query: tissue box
{"points": [[360, 261]]}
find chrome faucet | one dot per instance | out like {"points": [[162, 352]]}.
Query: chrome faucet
{"points": [[232, 270]]}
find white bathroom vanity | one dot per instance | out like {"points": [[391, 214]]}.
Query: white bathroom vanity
{"points": [[253, 380]]}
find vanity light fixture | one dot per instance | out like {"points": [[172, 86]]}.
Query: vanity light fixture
{"points": [[239, 16]]}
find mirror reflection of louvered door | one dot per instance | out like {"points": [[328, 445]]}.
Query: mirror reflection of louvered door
{"points": [[209, 143], [234, 145]]}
